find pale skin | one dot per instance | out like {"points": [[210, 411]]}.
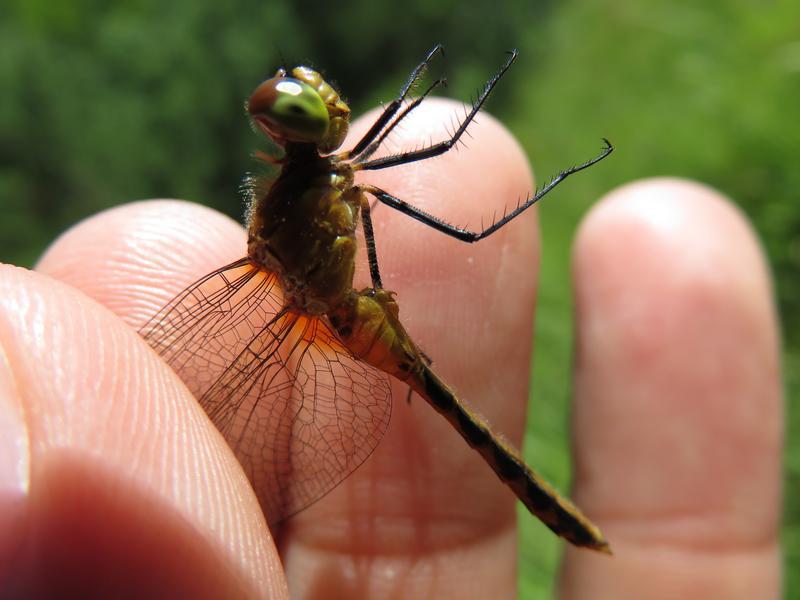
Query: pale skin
{"points": [[109, 469]]}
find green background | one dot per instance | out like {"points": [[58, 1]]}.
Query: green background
{"points": [[105, 102]]}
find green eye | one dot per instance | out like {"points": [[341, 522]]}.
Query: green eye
{"points": [[290, 110]]}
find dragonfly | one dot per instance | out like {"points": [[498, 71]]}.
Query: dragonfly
{"points": [[291, 362]]}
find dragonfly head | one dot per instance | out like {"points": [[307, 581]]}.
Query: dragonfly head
{"points": [[300, 107]]}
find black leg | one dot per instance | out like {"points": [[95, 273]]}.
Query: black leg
{"points": [[465, 235], [393, 106], [375, 144], [369, 238], [441, 147]]}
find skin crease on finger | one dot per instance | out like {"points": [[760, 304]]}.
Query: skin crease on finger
{"points": [[424, 509], [678, 420]]}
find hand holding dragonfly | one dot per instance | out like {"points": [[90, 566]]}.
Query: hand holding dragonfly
{"points": [[148, 462]]}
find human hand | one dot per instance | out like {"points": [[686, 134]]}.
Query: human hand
{"points": [[121, 481]]}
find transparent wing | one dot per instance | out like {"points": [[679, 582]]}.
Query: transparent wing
{"points": [[299, 411]]}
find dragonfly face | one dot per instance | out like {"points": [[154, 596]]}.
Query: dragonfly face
{"points": [[300, 108]]}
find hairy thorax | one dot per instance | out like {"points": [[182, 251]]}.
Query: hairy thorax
{"points": [[303, 229]]}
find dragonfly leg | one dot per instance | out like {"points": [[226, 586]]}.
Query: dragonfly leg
{"points": [[441, 147], [466, 235], [392, 108], [375, 144], [369, 238], [410, 393]]}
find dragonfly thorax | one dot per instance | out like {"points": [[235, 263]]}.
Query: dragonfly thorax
{"points": [[303, 229]]}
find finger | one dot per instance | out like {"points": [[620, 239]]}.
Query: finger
{"points": [[108, 444], [135, 258], [678, 414], [425, 508]]}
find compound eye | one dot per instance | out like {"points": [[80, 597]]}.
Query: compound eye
{"points": [[288, 109]]}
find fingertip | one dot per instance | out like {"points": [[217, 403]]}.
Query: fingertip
{"points": [[134, 258], [678, 412], [659, 250], [692, 222]]}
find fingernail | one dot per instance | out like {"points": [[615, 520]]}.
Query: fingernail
{"points": [[14, 467]]}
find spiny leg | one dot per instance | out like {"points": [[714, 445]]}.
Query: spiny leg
{"points": [[369, 239], [441, 147], [465, 235], [370, 150], [392, 108]]}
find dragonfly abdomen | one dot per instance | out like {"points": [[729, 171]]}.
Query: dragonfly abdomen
{"points": [[541, 499], [369, 325]]}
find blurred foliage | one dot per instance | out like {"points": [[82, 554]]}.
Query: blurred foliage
{"points": [[106, 102]]}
